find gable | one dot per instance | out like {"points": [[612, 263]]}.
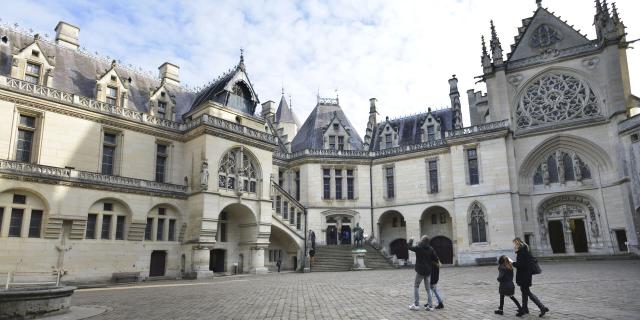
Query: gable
{"points": [[543, 33]]}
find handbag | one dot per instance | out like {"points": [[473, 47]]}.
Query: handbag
{"points": [[535, 267]]}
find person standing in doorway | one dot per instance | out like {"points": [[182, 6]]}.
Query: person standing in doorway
{"points": [[278, 264], [425, 257], [524, 274]]}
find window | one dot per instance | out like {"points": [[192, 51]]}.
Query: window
{"points": [[431, 134], [106, 227], [148, 229], [332, 142], [326, 182], [388, 141], [281, 177], [172, 230], [25, 142], [112, 96], [292, 215], [433, 176], [567, 164], [538, 176], [477, 224], [298, 216], [443, 218], [236, 165], [340, 143], [297, 185], [472, 161], [222, 227], [350, 186], [278, 204], [553, 168], [35, 224], [336, 127], [120, 222], [109, 145], [434, 219], [162, 211], [15, 224], [162, 109], [19, 199], [160, 230], [285, 210], [32, 73], [161, 162], [338, 180], [107, 206], [90, 232], [390, 183]]}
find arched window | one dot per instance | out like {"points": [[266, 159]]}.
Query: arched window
{"points": [[571, 165], [107, 220], [22, 213], [567, 164], [241, 90], [477, 224], [162, 224], [238, 170], [538, 177], [553, 168]]}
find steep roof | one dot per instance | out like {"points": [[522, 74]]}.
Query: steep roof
{"points": [[310, 135], [409, 128], [541, 31], [285, 114], [76, 72]]}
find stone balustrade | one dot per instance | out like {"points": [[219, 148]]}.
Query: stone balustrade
{"points": [[479, 128], [285, 202], [72, 175]]}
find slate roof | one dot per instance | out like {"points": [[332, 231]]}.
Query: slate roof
{"points": [[77, 72], [310, 135], [409, 128], [285, 113]]}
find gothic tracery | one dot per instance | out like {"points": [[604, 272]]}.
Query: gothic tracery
{"points": [[560, 167], [238, 170]]}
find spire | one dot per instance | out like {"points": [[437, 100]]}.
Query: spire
{"points": [[241, 64], [616, 18], [605, 8], [496, 47], [539, 3], [485, 59]]}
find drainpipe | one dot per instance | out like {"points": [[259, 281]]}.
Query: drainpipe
{"points": [[371, 196], [306, 232]]}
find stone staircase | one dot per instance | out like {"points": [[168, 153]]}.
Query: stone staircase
{"points": [[339, 258]]}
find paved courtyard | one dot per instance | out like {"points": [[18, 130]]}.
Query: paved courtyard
{"points": [[572, 290]]}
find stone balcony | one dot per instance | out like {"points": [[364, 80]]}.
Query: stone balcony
{"points": [[30, 170]]}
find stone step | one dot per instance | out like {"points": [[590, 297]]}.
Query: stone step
{"points": [[340, 258], [583, 257]]}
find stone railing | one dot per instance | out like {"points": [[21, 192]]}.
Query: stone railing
{"points": [[285, 203], [36, 170], [323, 153], [238, 128], [479, 128], [411, 148]]}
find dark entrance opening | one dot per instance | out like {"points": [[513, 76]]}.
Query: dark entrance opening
{"points": [[578, 235], [240, 263], [216, 260], [345, 235], [295, 263], [444, 249], [399, 248], [556, 237], [158, 263], [332, 235], [621, 237]]}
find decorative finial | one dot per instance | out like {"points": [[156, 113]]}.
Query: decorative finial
{"points": [[484, 47], [36, 37], [616, 18], [241, 64], [113, 63], [539, 3], [453, 76], [290, 103]]}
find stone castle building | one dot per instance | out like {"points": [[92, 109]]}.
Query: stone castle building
{"points": [[104, 169]]}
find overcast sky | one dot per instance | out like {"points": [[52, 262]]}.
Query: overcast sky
{"points": [[401, 52]]}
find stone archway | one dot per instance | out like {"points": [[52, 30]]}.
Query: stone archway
{"points": [[436, 223], [237, 234], [284, 247], [569, 224], [391, 226], [444, 249], [399, 248]]}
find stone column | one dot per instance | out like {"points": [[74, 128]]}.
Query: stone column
{"points": [[200, 261], [257, 259]]}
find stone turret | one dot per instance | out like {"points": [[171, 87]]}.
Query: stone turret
{"points": [[373, 112], [454, 95]]}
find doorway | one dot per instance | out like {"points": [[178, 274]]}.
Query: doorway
{"points": [[295, 263], [556, 236], [158, 263], [399, 248], [578, 235], [216, 260], [621, 237], [444, 249], [332, 235], [345, 235], [240, 263]]}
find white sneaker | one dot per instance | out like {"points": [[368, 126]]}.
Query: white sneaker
{"points": [[414, 307], [428, 308]]}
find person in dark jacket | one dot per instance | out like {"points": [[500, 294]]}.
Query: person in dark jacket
{"points": [[505, 278], [425, 257], [435, 277], [524, 274]]}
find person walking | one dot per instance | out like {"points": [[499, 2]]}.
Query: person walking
{"points": [[507, 288], [524, 274], [435, 276], [278, 264], [425, 257]]}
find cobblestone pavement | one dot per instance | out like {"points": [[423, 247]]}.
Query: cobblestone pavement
{"points": [[572, 290]]}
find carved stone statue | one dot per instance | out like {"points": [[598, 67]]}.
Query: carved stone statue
{"points": [[560, 166], [576, 167], [595, 231], [204, 175], [358, 235]]}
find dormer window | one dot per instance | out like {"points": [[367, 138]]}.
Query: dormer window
{"points": [[336, 127], [162, 107], [431, 133], [388, 140], [112, 96], [332, 142], [32, 73], [35, 53], [340, 143], [113, 78]]}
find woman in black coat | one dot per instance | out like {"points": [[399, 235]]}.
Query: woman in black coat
{"points": [[523, 264]]}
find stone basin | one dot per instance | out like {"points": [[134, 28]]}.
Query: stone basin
{"points": [[28, 303]]}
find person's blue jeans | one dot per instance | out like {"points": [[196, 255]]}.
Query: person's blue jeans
{"points": [[434, 288], [416, 289]]}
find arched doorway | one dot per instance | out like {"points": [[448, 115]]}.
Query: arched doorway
{"points": [[444, 249], [283, 246], [399, 248], [568, 224], [391, 226], [236, 235], [158, 264]]}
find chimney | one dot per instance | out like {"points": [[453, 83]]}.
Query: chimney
{"points": [[67, 35], [169, 73], [269, 110], [372, 105], [453, 85]]}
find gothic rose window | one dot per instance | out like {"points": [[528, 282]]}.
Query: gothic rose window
{"points": [[238, 170], [477, 224], [555, 98]]}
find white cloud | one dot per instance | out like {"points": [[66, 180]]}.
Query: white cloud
{"points": [[401, 52]]}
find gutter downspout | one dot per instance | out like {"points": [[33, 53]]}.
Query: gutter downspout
{"points": [[306, 232], [371, 197]]}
